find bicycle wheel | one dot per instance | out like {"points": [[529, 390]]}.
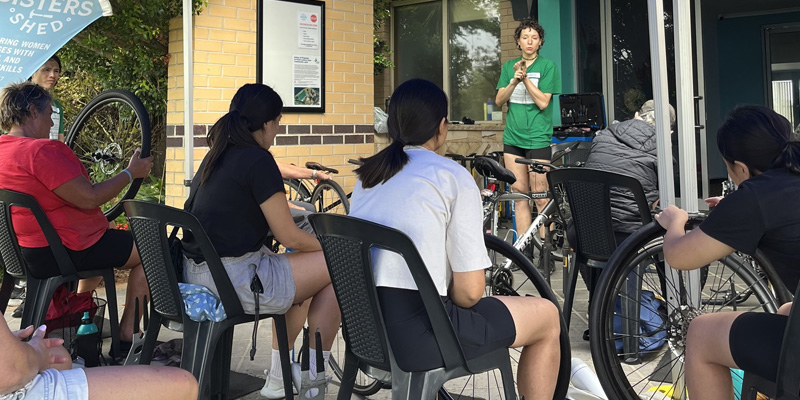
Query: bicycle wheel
{"points": [[328, 197], [636, 358], [296, 190], [365, 384], [104, 137], [523, 280]]}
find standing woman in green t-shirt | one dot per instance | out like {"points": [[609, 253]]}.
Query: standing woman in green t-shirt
{"points": [[47, 77], [528, 84]]}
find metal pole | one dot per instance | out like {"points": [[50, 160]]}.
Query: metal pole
{"points": [[188, 92], [684, 71], [658, 58]]}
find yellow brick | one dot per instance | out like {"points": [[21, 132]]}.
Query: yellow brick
{"points": [[220, 106], [207, 21], [200, 33], [333, 119], [235, 48], [173, 166], [169, 178], [355, 58], [343, 6], [343, 108], [333, 15], [334, 36], [246, 37], [311, 119], [237, 25], [207, 45], [353, 17], [367, 68], [354, 119], [334, 77], [287, 160], [246, 14], [278, 151], [321, 150], [343, 46], [176, 23], [361, 108], [335, 98], [343, 87], [222, 35], [221, 82], [239, 3], [363, 9], [208, 69], [364, 28], [343, 67], [207, 94], [333, 56], [173, 190], [354, 78], [219, 11], [342, 26], [343, 149], [295, 151], [237, 71], [246, 59], [366, 149], [290, 119], [353, 98], [332, 161], [200, 57], [364, 88], [363, 48]]}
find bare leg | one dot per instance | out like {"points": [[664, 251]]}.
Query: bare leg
{"points": [[89, 284], [141, 382], [708, 357], [522, 208], [137, 288], [538, 328], [539, 184], [785, 309], [295, 319]]}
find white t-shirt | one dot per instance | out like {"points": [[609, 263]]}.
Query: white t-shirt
{"points": [[434, 201]]}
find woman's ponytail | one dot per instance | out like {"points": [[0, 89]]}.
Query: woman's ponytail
{"points": [[790, 157], [383, 165]]}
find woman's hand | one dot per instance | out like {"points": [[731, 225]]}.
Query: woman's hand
{"points": [[140, 167], [672, 218], [322, 176], [713, 201]]}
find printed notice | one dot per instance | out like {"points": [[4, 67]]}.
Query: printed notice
{"points": [[308, 30], [307, 80]]}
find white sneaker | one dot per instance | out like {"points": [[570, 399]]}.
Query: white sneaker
{"points": [[273, 387]]}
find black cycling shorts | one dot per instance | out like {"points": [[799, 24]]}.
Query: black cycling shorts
{"points": [[534, 154], [486, 326], [755, 341], [112, 251]]}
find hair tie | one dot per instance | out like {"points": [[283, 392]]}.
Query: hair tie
{"points": [[400, 142]]}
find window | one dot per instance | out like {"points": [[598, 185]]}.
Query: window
{"points": [[467, 66]]}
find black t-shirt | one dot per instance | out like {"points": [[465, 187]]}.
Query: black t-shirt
{"points": [[763, 214], [228, 203]]}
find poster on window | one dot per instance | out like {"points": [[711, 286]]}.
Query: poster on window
{"points": [[291, 54]]}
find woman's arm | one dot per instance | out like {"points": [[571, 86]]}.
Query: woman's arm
{"points": [[505, 93], [290, 171], [21, 360], [687, 251], [276, 211], [467, 287], [542, 100], [80, 192]]}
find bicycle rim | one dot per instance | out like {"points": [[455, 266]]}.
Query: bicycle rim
{"points": [[364, 385], [489, 385], [104, 136], [630, 372], [328, 197]]}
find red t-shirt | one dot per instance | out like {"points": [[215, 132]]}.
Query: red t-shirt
{"points": [[36, 167]]}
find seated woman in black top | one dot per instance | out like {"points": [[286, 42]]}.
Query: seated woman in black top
{"points": [[763, 158], [239, 200]]}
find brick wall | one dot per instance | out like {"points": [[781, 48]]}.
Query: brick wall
{"points": [[225, 59]]}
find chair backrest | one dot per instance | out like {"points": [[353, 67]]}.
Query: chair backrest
{"points": [[149, 222], [788, 379], [347, 243], [588, 196], [9, 248]]}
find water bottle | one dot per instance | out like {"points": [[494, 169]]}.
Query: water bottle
{"points": [[489, 109], [583, 378], [87, 341]]}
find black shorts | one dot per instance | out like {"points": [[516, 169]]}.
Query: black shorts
{"points": [[112, 251], [755, 341], [534, 154], [485, 327]]}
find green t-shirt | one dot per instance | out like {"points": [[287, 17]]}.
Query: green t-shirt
{"points": [[58, 120], [527, 126]]}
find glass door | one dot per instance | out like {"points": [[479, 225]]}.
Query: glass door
{"points": [[782, 44]]}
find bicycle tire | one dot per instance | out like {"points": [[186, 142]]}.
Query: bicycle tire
{"points": [[104, 137], [488, 385], [296, 190], [627, 374], [329, 197], [365, 385]]}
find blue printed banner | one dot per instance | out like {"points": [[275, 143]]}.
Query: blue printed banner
{"points": [[31, 31]]}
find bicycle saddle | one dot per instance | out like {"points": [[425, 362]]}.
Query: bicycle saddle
{"points": [[319, 167], [491, 168]]}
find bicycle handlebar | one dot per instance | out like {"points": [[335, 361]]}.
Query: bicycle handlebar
{"points": [[536, 166]]}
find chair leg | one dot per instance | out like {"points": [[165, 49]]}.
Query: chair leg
{"points": [[37, 301], [283, 349], [198, 354], [144, 355], [113, 312], [220, 368], [349, 376], [5, 291], [569, 292]]}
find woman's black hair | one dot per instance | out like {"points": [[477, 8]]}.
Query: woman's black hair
{"points": [[53, 58], [529, 23], [416, 109], [760, 138], [252, 106], [16, 100]]}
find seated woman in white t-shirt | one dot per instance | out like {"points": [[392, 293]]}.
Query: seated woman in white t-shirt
{"points": [[436, 203]]}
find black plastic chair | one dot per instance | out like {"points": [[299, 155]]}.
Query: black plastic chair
{"points": [[588, 196], [207, 345], [346, 242], [40, 290], [787, 383]]}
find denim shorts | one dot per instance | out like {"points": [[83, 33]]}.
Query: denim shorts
{"points": [[273, 270], [53, 384]]}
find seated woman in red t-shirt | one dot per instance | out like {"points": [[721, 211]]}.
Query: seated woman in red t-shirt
{"points": [[49, 171]]}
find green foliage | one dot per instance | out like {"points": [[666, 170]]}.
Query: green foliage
{"points": [[382, 56], [152, 190]]}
